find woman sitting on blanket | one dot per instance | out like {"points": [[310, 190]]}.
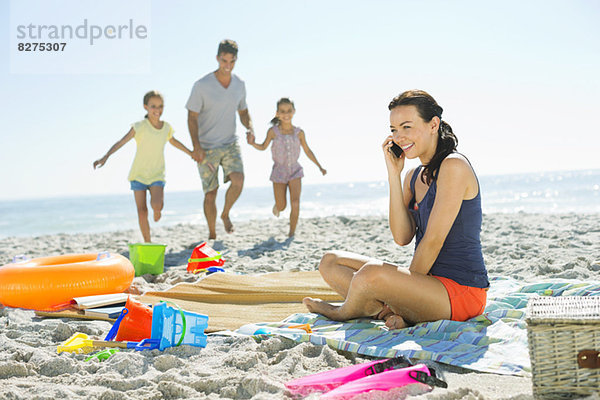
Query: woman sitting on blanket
{"points": [[439, 204]]}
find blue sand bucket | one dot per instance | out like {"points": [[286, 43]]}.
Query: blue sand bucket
{"points": [[174, 327]]}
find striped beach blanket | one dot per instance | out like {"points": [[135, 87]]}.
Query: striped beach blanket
{"points": [[495, 341]]}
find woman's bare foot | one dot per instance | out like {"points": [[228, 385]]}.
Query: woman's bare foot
{"points": [[385, 312], [395, 321], [157, 215], [276, 211], [227, 223], [322, 307], [392, 320]]}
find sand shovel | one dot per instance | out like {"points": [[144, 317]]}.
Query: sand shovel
{"points": [[81, 343]]}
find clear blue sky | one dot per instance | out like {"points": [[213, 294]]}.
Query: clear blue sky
{"points": [[519, 82]]}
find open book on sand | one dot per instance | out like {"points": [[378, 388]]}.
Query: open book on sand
{"points": [[102, 300], [106, 312]]}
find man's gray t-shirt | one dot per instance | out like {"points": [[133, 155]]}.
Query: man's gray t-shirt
{"points": [[216, 108]]}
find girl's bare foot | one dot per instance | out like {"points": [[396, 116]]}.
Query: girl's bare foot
{"points": [[157, 215], [275, 211]]}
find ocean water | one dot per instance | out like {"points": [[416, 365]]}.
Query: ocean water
{"points": [[547, 192]]}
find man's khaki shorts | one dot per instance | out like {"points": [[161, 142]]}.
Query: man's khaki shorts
{"points": [[228, 157]]}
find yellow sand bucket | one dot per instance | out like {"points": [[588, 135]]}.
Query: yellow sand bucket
{"points": [[147, 258]]}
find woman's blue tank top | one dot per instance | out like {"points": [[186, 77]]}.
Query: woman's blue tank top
{"points": [[460, 258]]}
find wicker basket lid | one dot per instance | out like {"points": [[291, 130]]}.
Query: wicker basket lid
{"points": [[565, 309]]}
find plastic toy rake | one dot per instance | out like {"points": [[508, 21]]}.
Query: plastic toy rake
{"points": [[81, 343]]}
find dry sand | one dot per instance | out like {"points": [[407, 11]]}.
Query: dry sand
{"points": [[527, 247]]}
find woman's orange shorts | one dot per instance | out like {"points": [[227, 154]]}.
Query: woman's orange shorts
{"points": [[466, 302]]}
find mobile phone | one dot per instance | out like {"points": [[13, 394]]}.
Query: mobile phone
{"points": [[397, 150]]}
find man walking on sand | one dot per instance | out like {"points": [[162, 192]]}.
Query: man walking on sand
{"points": [[212, 105]]}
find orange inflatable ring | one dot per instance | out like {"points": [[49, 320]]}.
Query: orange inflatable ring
{"points": [[50, 283]]}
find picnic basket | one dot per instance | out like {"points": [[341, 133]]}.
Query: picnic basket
{"points": [[564, 346]]}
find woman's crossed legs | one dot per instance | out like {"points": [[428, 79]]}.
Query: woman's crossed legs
{"points": [[375, 288]]}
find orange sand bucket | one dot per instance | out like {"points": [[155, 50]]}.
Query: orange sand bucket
{"points": [[203, 257], [137, 324]]}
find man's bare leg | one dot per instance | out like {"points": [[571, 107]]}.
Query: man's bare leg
{"points": [[210, 212], [231, 196]]}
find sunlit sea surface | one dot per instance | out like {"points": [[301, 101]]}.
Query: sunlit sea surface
{"points": [[548, 192]]}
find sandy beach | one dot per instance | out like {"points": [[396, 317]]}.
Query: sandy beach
{"points": [[526, 247]]}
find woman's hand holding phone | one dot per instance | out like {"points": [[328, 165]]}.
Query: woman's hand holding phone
{"points": [[394, 156], [397, 150]]}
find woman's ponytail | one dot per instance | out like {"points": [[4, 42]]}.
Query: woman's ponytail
{"points": [[446, 144]]}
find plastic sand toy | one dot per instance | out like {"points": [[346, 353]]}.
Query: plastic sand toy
{"points": [[81, 343], [328, 380], [304, 327], [174, 327], [61, 278], [204, 256], [136, 323], [147, 258], [102, 355], [385, 381]]}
